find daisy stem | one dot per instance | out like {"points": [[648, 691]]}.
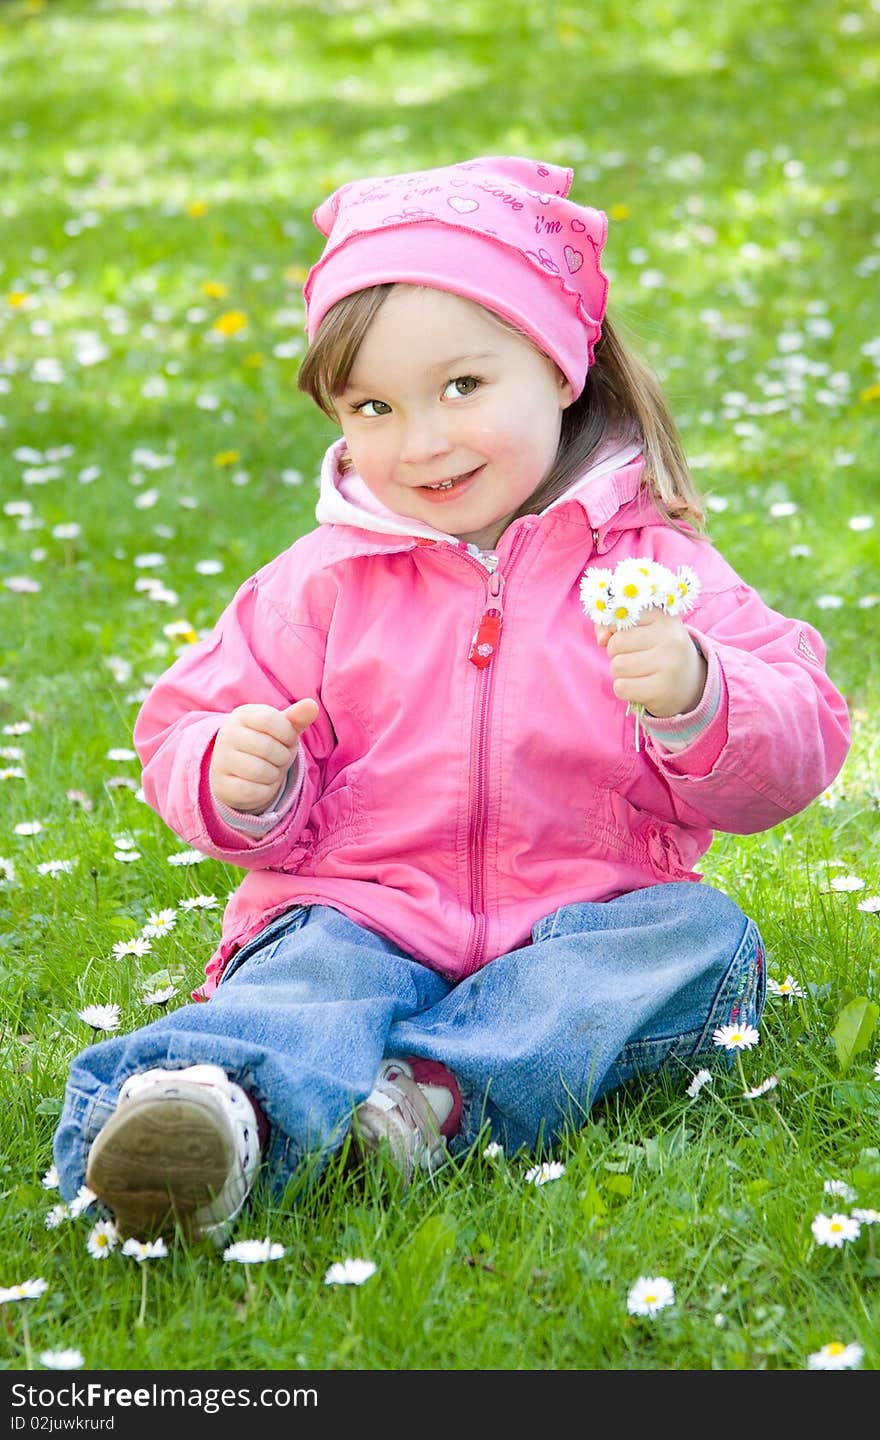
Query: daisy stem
{"points": [[249, 1284], [742, 1076], [143, 1310], [28, 1351]]}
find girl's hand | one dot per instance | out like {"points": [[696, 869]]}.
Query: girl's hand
{"points": [[655, 664], [254, 749]]}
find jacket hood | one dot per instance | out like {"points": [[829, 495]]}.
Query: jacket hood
{"points": [[610, 482]]}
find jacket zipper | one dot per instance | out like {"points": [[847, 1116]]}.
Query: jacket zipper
{"points": [[480, 654]]}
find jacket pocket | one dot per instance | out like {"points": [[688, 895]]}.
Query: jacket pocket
{"points": [[637, 837]]}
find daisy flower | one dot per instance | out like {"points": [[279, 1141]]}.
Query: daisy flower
{"points": [[835, 1230], [253, 1252], [870, 905], [877, 1069], [736, 1037], [595, 593], [141, 1250], [836, 1356], [159, 924], [186, 857], [541, 1174], [841, 1188], [61, 1359], [866, 1217], [639, 583], [55, 867], [27, 1290], [702, 1077], [493, 1151], [349, 1272], [81, 1201], [763, 1089], [649, 1295], [102, 1239], [200, 902], [137, 946], [50, 1179], [56, 1216], [159, 997], [100, 1017], [846, 883], [788, 987]]}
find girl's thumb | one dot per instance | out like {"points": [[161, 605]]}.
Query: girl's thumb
{"points": [[301, 714]]}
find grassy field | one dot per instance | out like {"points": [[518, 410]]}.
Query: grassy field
{"points": [[159, 163]]}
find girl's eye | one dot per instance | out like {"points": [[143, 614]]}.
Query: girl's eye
{"points": [[371, 408], [462, 385]]}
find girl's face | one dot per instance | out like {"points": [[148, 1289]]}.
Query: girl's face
{"points": [[441, 392]]}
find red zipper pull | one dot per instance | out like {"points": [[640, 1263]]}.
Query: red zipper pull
{"points": [[485, 641]]}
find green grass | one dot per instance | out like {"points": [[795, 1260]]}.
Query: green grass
{"points": [[148, 150]]}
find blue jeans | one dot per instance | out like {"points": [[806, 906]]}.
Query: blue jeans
{"points": [[604, 993]]}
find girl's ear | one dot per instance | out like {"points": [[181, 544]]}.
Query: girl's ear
{"points": [[565, 388]]}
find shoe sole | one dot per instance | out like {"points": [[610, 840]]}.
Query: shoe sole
{"points": [[159, 1160]]}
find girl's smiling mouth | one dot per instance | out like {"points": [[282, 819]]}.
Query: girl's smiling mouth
{"points": [[444, 489]]}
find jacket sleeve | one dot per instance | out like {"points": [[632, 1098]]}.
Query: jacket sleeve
{"points": [[780, 733], [256, 654]]}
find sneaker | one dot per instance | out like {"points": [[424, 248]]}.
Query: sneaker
{"points": [[180, 1152], [397, 1115]]}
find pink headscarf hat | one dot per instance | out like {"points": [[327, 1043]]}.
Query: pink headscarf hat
{"points": [[496, 230]]}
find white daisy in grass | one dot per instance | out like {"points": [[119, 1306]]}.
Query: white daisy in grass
{"points": [[763, 1088], [835, 1231], [141, 1250], [789, 988], [7, 871], [845, 884], [119, 753], [866, 1217], [349, 1272], [736, 1037], [50, 1179], [870, 905], [81, 1201], [61, 1359], [12, 772], [159, 997], [187, 857], [27, 827], [702, 1077], [159, 923], [836, 1356], [27, 1290], [127, 857], [542, 1174], [56, 1216], [200, 902], [877, 1069], [102, 1240], [100, 1017], [254, 1252], [649, 1295], [137, 946], [18, 727], [493, 1151], [55, 867], [842, 1189]]}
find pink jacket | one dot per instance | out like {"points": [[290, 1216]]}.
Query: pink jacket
{"points": [[447, 804]]}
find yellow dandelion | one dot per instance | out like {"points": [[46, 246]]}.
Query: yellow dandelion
{"points": [[253, 362], [196, 208], [16, 298], [230, 322], [295, 274], [215, 289], [872, 393], [226, 457], [620, 212]]}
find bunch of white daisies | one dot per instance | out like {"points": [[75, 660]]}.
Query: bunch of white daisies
{"points": [[618, 597]]}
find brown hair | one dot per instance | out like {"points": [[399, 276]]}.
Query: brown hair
{"points": [[622, 399]]}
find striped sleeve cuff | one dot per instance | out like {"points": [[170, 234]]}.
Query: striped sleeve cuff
{"points": [[676, 732], [259, 825]]}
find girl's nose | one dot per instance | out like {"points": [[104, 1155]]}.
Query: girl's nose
{"points": [[423, 440]]}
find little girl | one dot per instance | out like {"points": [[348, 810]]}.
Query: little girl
{"points": [[472, 906]]}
